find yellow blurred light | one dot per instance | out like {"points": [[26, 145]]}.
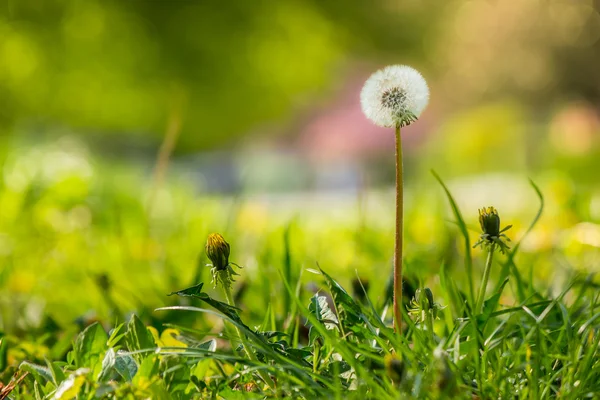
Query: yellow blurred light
{"points": [[19, 56]]}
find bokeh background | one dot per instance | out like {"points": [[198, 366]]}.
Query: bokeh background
{"points": [[131, 129]]}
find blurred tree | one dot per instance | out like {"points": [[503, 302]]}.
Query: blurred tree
{"points": [[115, 67]]}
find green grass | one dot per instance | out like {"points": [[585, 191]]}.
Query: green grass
{"points": [[311, 302]]}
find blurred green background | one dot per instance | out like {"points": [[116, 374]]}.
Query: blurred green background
{"points": [[131, 129]]}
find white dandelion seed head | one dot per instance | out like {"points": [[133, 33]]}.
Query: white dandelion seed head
{"points": [[394, 95]]}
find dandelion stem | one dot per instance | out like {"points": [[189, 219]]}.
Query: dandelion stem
{"points": [[398, 237], [263, 375], [486, 277], [429, 323]]}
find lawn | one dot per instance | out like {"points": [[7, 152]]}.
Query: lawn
{"points": [[107, 293]]}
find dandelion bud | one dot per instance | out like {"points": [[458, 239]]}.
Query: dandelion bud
{"points": [[394, 96], [489, 221], [217, 250], [425, 294]]}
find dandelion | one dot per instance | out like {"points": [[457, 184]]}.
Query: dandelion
{"points": [[395, 97], [491, 236], [217, 251], [489, 220], [425, 309]]}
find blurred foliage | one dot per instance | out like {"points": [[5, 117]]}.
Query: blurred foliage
{"points": [[122, 66], [84, 238]]}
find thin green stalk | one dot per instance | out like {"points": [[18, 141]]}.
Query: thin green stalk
{"points": [[264, 376], [486, 277], [429, 322], [398, 236]]}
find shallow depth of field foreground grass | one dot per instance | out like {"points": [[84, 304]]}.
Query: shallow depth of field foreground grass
{"points": [[95, 319]]}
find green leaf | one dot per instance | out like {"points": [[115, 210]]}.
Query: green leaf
{"points": [[116, 335], [107, 366], [122, 363], [320, 309], [192, 291], [70, 387], [3, 353], [57, 373], [210, 345], [352, 316], [40, 374], [349, 311], [138, 337], [90, 346], [196, 292], [125, 366], [148, 368]]}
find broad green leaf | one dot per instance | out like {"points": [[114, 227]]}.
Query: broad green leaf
{"points": [[107, 366], [348, 310], [147, 369], [69, 388], [57, 373], [320, 309], [41, 374], [125, 365], [351, 315], [201, 370], [116, 335], [90, 347], [138, 337]]}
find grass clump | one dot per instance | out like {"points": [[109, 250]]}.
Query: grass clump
{"points": [[331, 343]]}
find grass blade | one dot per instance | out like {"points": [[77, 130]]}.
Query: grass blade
{"points": [[465, 233]]}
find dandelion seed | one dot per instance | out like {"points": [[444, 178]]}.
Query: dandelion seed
{"points": [[394, 96]]}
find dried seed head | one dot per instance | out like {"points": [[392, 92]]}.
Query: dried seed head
{"points": [[394, 96]]}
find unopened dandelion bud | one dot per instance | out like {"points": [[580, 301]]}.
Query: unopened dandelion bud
{"points": [[491, 234], [489, 221], [425, 294], [217, 250]]}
